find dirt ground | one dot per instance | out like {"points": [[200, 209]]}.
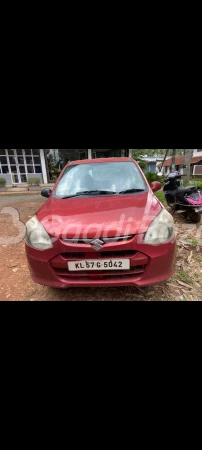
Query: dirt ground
{"points": [[16, 284]]}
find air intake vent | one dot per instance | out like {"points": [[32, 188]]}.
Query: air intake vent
{"points": [[91, 255], [73, 255]]}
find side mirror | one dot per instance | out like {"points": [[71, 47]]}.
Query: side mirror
{"points": [[46, 192], [155, 186]]}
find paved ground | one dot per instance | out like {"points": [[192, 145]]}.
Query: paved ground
{"points": [[16, 284], [12, 200]]}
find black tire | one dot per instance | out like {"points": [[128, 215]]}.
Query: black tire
{"points": [[185, 215], [194, 217]]}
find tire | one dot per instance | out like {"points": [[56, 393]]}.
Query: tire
{"points": [[194, 217], [185, 214]]}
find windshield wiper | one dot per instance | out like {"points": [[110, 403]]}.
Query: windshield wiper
{"points": [[128, 191], [101, 191], [91, 193]]}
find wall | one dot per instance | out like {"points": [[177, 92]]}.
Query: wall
{"points": [[6, 177], [152, 167], [36, 175], [196, 153]]}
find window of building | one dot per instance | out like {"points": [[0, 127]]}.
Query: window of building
{"points": [[19, 163], [56, 159]]}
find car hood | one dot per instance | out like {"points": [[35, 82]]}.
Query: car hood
{"points": [[91, 217]]}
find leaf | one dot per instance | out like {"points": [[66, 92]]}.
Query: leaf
{"points": [[171, 285], [182, 244], [190, 257], [184, 284]]}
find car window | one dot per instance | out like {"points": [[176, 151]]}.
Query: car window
{"points": [[112, 176]]}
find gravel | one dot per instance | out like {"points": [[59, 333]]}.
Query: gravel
{"points": [[12, 199]]}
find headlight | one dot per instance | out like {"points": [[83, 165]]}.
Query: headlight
{"points": [[161, 229], [36, 235]]}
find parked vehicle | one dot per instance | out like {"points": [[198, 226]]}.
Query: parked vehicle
{"points": [[183, 200], [102, 225]]}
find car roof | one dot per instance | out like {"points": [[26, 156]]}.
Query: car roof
{"points": [[101, 160]]}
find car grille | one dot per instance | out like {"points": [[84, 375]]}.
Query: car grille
{"points": [[73, 255], [138, 263], [98, 255], [105, 240], [100, 275]]}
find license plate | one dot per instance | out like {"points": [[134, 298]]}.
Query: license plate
{"points": [[198, 209], [97, 264]]}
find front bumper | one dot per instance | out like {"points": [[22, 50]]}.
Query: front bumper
{"points": [[149, 264]]}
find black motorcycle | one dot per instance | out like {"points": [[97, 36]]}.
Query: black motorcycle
{"points": [[183, 200]]}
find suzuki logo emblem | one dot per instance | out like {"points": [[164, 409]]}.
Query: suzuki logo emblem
{"points": [[97, 244]]}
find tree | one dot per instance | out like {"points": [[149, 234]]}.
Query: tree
{"points": [[187, 162], [137, 153], [154, 151], [142, 164], [173, 159]]}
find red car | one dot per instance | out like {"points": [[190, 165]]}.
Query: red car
{"points": [[102, 225]]}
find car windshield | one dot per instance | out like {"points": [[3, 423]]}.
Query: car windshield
{"points": [[110, 178]]}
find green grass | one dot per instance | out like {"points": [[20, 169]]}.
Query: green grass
{"points": [[197, 275], [195, 182], [160, 195], [193, 241], [184, 277]]}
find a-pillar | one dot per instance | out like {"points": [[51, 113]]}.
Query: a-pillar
{"points": [[43, 165]]}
